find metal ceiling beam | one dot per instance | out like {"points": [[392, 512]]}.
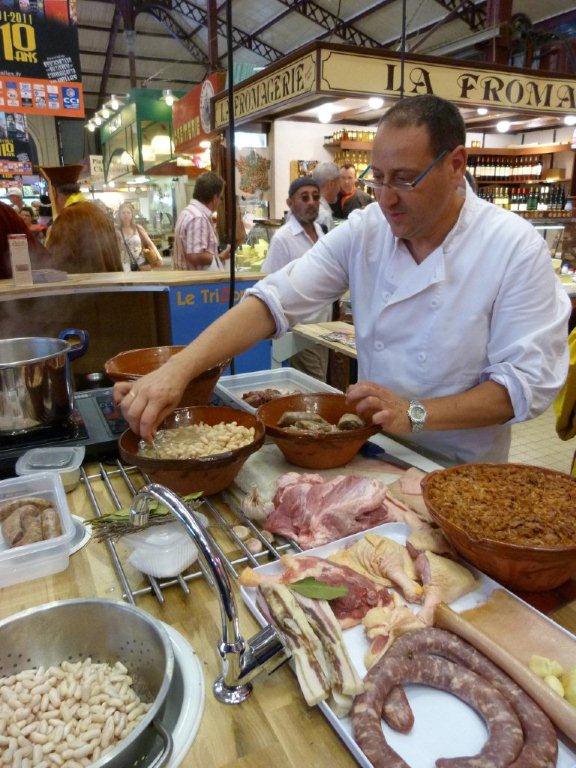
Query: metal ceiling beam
{"points": [[425, 30], [357, 17], [127, 78], [109, 53], [467, 11], [240, 38], [143, 33], [331, 22], [179, 33]]}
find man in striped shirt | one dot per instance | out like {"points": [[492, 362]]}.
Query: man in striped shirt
{"points": [[195, 239]]}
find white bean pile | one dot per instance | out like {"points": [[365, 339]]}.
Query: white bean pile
{"points": [[198, 440], [66, 716]]}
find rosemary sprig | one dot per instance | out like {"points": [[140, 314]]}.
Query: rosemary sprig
{"points": [[116, 524]]}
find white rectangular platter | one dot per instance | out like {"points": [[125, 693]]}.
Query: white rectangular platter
{"points": [[444, 726]]}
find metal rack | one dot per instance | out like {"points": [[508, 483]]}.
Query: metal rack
{"points": [[131, 477]]}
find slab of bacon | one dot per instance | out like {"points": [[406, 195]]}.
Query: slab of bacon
{"points": [[311, 631], [363, 594], [314, 511]]}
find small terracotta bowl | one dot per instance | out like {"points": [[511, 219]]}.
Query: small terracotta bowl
{"points": [[526, 568], [315, 451], [210, 474], [134, 363]]}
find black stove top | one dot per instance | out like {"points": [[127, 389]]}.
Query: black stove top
{"points": [[95, 423]]}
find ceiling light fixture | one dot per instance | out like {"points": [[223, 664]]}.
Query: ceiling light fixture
{"points": [[570, 120], [90, 126], [375, 102], [325, 113], [503, 126], [482, 111], [105, 112], [97, 119], [114, 103], [168, 97]]}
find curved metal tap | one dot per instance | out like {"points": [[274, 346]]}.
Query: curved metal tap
{"points": [[242, 660]]}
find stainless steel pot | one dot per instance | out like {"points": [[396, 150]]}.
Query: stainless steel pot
{"points": [[35, 380], [107, 632]]}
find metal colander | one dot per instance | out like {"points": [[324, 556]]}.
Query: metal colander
{"points": [[107, 632]]}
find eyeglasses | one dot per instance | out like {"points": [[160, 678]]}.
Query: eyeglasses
{"points": [[400, 185], [305, 197]]}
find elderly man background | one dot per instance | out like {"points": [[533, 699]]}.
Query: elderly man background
{"points": [[289, 243], [349, 197], [328, 177], [15, 198], [461, 323], [195, 238]]}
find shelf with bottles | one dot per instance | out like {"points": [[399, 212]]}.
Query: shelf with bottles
{"points": [[345, 138], [481, 182], [359, 159], [535, 199], [520, 150]]}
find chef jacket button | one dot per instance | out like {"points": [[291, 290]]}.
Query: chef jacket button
{"points": [[386, 296], [434, 303], [378, 345], [421, 356]]}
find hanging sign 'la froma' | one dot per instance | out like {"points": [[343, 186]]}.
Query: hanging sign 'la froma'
{"points": [[39, 58]]}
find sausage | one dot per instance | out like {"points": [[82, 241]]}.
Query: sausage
{"points": [[540, 743], [50, 524], [397, 711], [9, 505], [505, 737]]}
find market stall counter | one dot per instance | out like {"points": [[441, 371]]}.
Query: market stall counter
{"points": [[125, 311]]}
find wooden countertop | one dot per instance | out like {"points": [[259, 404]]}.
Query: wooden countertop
{"points": [[274, 726], [155, 280]]}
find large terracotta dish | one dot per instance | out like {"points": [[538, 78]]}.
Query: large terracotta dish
{"points": [[134, 363], [315, 451], [210, 474], [531, 569]]}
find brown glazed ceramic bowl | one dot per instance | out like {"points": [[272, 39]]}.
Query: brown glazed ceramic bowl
{"points": [[315, 451], [210, 474], [134, 363], [526, 568]]}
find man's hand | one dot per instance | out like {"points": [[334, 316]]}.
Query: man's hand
{"points": [[225, 254], [381, 406], [146, 403]]}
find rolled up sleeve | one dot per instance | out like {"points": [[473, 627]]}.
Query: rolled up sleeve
{"points": [[306, 285], [528, 346]]}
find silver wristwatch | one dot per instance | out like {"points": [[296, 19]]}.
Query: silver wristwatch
{"points": [[417, 415]]}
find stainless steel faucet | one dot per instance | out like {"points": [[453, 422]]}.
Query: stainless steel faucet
{"points": [[242, 660]]}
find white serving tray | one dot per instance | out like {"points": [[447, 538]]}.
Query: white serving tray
{"points": [[443, 725], [231, 388]]}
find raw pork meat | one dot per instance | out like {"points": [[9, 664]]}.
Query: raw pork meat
{"points": [[314, 511]]}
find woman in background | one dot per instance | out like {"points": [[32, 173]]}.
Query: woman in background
{"points": [[137, 249], [83, 239], [12, 224]]}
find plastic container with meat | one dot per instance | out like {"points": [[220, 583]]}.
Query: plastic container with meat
{"points": [[26, 561]]}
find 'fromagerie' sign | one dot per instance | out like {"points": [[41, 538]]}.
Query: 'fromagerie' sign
{"points": [[332, 70], [343, 71]]}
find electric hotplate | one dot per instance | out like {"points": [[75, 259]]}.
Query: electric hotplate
{"points": [[95, 423]]}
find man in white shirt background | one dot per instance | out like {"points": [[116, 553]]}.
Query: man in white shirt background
{"points": [[195, 238], [461, 323], [328, 177], [15, 198], [290, 242]]}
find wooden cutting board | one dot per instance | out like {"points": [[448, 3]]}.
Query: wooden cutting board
{"points": [[265, 466]]}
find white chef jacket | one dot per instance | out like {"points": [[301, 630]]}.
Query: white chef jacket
{"points": [[325, 217], [486, 304], [288, 243]]}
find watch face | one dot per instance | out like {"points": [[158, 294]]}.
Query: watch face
{"points": [[417, 412]]}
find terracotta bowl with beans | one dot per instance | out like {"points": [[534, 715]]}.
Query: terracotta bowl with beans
{"points": [[201, 448]]}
